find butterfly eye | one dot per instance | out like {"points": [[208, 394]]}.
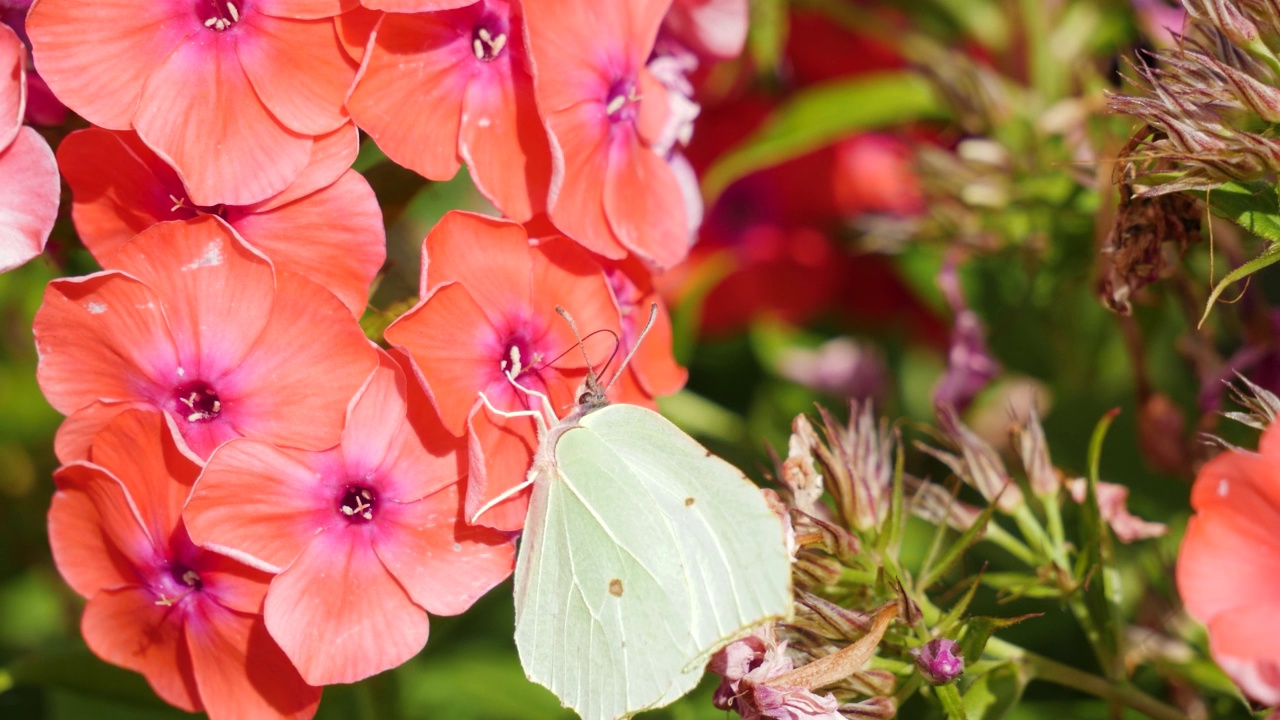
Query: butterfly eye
{"points": [[585, 397]]}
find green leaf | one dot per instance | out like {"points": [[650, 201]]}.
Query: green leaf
{"points": [[767, 33], [820, 115], [995, 694], [1097, 571], [1269, 256], [938, 567], [1251, 205]]}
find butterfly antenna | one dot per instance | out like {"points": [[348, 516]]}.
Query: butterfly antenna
{"points": [[574, 327], [653, 316]]}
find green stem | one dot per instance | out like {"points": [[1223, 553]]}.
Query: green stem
{"points": [[1042, 668]]}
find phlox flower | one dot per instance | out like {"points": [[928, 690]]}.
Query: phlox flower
{"points": [[605, 112], [194, 322], [189, 620], [653, 370], [441, 88], [367, 537], [29, 184], [488, 308], [326, 225], [715, 29], [414, 6], [1228, 570], [42, 107], [230, 92]]}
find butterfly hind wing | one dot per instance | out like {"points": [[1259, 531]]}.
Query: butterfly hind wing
{"points": [[731, 542], [603, 610]]}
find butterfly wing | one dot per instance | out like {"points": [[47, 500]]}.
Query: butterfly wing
{"points": [[603, 605], [731, 543]]}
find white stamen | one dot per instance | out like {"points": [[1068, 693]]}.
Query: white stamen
{"points": [[235, 14], [209, 23], [194, 417], [347, 511], [365, 494], [615, 104], [217, 407], [367, 516], [478, 47], [485, 36], [497, 44], [515, 360]]}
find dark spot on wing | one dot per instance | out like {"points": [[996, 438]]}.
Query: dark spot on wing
{"points": [[688, 501], [615, 587], [708, 452]]}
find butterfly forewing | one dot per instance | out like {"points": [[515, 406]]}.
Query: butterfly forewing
{"points": [[604, 609]]}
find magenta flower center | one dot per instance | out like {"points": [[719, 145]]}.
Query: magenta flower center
{"points": [[181, 582], [197, 402], [489, 38], [519, 356], [219, 15], [624, 102], [357, 504]]}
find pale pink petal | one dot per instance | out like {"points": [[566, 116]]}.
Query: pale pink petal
{"points": [[504, 143], [240, 670], [331, 156], [1113, 503], [97, 56], [500, 453], [445, 564], [643, 202], [126, 627], [194, 266], [339, 614], [299, 70], [1258, 679], [13, 85], [219, 136], [717, 28], [580, 147], [577, 49], [294, 387], [95, 537], [410, 92], [29, 189], [304, 9], [334, 237], [259, 501], [102, 337]]}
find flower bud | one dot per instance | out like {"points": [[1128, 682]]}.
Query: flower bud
{"points": [[939, 661]]}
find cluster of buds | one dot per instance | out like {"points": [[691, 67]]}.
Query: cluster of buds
{"points": [[1206, 102]]}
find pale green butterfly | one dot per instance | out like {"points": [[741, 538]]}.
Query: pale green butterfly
{"points": [[642, 554]]}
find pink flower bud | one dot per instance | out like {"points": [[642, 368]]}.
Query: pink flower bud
{"points": [[939, 661]]}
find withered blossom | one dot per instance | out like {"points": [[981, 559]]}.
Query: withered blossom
{"points": [[978, 464], [1113, 503], [1028, 438]]}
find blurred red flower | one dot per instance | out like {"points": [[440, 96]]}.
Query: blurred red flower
{"points": [[488, 307], [326, 225], [189, 620], [231, 92], [367, 537], [195, 323]]}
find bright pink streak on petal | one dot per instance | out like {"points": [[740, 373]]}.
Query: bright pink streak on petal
{"points": [[445, 564], [298, 69], [294, 387], [304, 9], [120, 188], [331, 156], [195, 266], [580, 144], [456, 369], [200, 111], [13, 86], [345, 241], [643, 202], [504, 143], [28, 198], [500, 453], [102, 337], [126, 627], [241, 671], [95, 537], [97, 56], [261, 501], [339, 614], [409, 94]]}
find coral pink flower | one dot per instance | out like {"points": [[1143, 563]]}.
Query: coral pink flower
{"points": [[415, 6], [1228, 569], [653, 370], [489, 305], [231, 92], [29, 184], [441, 88], [327, 225], [604, 112], [195, 323], [190, 621], [367, 537]]}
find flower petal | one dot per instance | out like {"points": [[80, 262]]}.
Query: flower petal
{"points": [[500, 453], [241, 671], [443, 563], [298, 69], [410, 92], [126, 627], [294, 386], [95, 537], [98, 56], [28, 199], [120, 188], [498, 279], [13, 85], [339, 614], [304, 8], [101, 337], [354, 28], [335, 237], [259, 503], [454, 347], [214, 130], [415, 6], [580, 148], [331, 155], [504, 143], [643, 202]]}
